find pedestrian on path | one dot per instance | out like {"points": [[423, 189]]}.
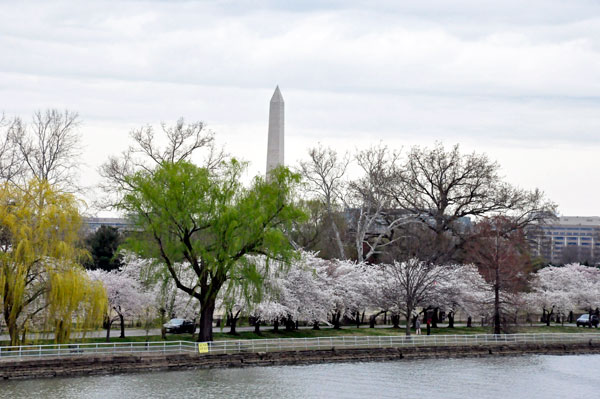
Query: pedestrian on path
{"points": [[418, 327]]}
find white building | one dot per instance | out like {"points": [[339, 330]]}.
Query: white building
{"points": [[570, 238]]}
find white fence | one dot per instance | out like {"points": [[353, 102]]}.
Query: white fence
{"points": [[97, 349], [291, 344], [396, 341]]}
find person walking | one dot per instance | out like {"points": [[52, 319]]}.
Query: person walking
{"points": [[418, 327]]}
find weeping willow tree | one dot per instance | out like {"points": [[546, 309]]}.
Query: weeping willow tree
{"points": [[211, 222], [41, 280]]}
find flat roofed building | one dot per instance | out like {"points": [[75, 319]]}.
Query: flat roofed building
{"points": [[569, 239], [92, 224]]}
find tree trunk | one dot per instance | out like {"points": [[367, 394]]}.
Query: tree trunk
{"points": [[395, 320], [108, 326], [257, 327], [289, 324], [435, 318], [336, 318], [408, 314], [207, 311], [13, 330], [276, 325], [232, 324], [122, 319], [357, 319], [372, 321], [338, 239], [451, 319], [497, 329], [316, 325]]}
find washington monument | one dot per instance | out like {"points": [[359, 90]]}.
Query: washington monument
{"points": [[275, 147]]}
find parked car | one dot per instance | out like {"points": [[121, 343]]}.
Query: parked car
{"points": [[586, 321], [179, 326]]}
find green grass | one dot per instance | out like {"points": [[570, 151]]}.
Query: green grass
{"points": [[268, 333]]}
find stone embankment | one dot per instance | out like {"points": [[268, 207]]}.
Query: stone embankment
{"points": [[114, 364]]}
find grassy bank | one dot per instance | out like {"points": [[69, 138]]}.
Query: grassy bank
{"points": [[268, 333]]}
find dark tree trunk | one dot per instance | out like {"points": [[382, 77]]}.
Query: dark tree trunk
{"points": [[384, 318], [289, 324], [316, 325], [233, 325], [336, 319], [372, 321], [435, 318], [497, 328], [395, 320], [357, 319], [108, 325], [206, 319], [257, 327], [407, 327], [122, 320], [570, 319], [469, 322], [451, 319], [276, 325]]}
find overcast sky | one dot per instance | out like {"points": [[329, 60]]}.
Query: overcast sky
{"points": [[517, 80]]}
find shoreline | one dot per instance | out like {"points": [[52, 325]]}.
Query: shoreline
{"points": [[135, 363]]}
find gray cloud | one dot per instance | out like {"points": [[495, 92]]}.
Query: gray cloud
{"points": [[504, 75]]}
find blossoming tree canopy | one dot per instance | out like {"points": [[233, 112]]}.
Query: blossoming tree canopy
{"points": [[40, 277]]}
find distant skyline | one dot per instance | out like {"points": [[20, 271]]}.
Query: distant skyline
{"points": [[517, 81]]}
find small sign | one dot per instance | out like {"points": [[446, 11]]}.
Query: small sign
{"points": [[203, 347]]}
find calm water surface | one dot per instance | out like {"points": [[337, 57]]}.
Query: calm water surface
{"points": [[506, 377]]}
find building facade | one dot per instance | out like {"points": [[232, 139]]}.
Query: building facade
{"points": [[569, 239]]}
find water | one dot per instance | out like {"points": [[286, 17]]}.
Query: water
{"points": [[500, 377]]}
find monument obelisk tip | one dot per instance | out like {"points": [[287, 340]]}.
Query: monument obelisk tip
{"points": [[275, 148], [277, 97]]}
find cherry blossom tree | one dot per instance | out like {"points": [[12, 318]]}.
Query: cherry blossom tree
{"points": [[409, 285], [126, 297], [463, 289], [558, 290]]}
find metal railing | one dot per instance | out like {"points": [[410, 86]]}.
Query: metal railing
{"points": [[292, 344], [97, 349], [396, 341]]}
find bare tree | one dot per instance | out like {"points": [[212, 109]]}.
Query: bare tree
{"points": [[374, 219], [49, 148], [182, 142], [408, 285], [500, 251], [325, 172], [11, 164], [443, 189]]}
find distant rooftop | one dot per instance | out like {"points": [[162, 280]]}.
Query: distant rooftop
{"points": [[578, 220], [93, 224]]}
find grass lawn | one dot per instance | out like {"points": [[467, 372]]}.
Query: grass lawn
{"points": [[328, 332]]}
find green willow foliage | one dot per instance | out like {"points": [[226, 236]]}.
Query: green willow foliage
{"points": [[40, 277], [211, 221]]}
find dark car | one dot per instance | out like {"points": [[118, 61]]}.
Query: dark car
{"points": [[586, 320], [180, 326]]}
